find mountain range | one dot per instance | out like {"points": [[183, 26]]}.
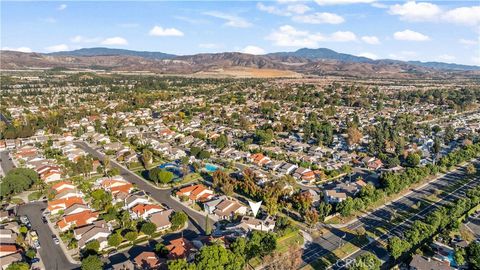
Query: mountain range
{"points": [[321, 61]]}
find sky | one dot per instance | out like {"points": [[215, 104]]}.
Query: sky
{"points": [[446, 31]]}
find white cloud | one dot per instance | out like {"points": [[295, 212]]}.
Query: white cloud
{"points": [[18, 49], [446, 57], [342, 2], [82, 39], [62, 7], [165, 32], [251, 49], [232, 20], [298, 8], [464, 15], [57, 48], [373, 40], [412, 11], [342, 36], [319, 18], [289, 10], [469, 42], [369, 55], [288, 36], [410, 36], [114, 41]]}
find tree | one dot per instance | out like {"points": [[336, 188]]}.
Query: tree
{"points": [[217, 257], [18, 266], [397, 246], [131, 236], [324, 210], [460, 255], [31, 253], [471, 170], [106, 164], [92, 262], [92, 246], [413, 159], [180, 264], [165, 176], [354, 135], [161, 249], [346, 207], [366, 261], [146, 157], [153, 174], [473, 254], [178, 220], [148, 228], [114, 240]]}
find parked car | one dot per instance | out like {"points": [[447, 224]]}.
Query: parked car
{"points": [[44, 219], [55, 239], [35, 260]]}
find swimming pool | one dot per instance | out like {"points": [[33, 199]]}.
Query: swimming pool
{"points": [[210, 167]]}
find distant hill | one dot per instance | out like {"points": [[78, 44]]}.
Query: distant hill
{"points": [[323, 53], [446, 66], [99, 51]]}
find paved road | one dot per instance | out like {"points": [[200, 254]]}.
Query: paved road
{"points": [[51, 254], [381, 217], [6, 163], [196, 220]]}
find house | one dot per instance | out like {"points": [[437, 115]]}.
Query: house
{"points": [[312, 194], [96, 233], [196, 193], [4, 215], [180, 248], [211, 205], [80, 231], [114, 146], [125, 265], [259, 159], [420, 262], [75, 208], [162, 220], [63, 186], [68, 194], [77, 220], [228, 208], [287, 168], [135, 199], [9, 259], [7, 236], [147, 260], [248, 224], [334, 196], [8, 249], [55, 206], [145, 210]]}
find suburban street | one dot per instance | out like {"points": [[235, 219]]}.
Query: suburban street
{"points": [[6, 163], [196, 220], [381, 218], [51, 254]]}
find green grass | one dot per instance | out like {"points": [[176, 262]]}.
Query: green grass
{"points": [[284, 242], [16, 200], [35, 195]]}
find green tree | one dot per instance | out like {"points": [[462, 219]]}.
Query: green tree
{"points": [[18, 266], [31, 253], [216, 257], [92, 262], [161, 249], [146, 158], [180, 264], [131, 236], [397, 246], [473, 254], [471, 170], [165, 177], [114, 240], [148, 228], [413, 159], [460, 255], [178, 220], [324, 210], [93, 246]]}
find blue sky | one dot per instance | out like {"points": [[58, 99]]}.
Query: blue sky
{"points": [[446, 31]]}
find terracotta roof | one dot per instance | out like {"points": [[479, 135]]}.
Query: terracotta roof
{"points": [[140, 209], [64, 203], [147, 260], [179, 248]]}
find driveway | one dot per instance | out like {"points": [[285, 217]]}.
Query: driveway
{"points": [[51, 254], [196, 220]]}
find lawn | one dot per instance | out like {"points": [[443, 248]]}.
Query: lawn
{"points": [[35, 195], [294, 238]]}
